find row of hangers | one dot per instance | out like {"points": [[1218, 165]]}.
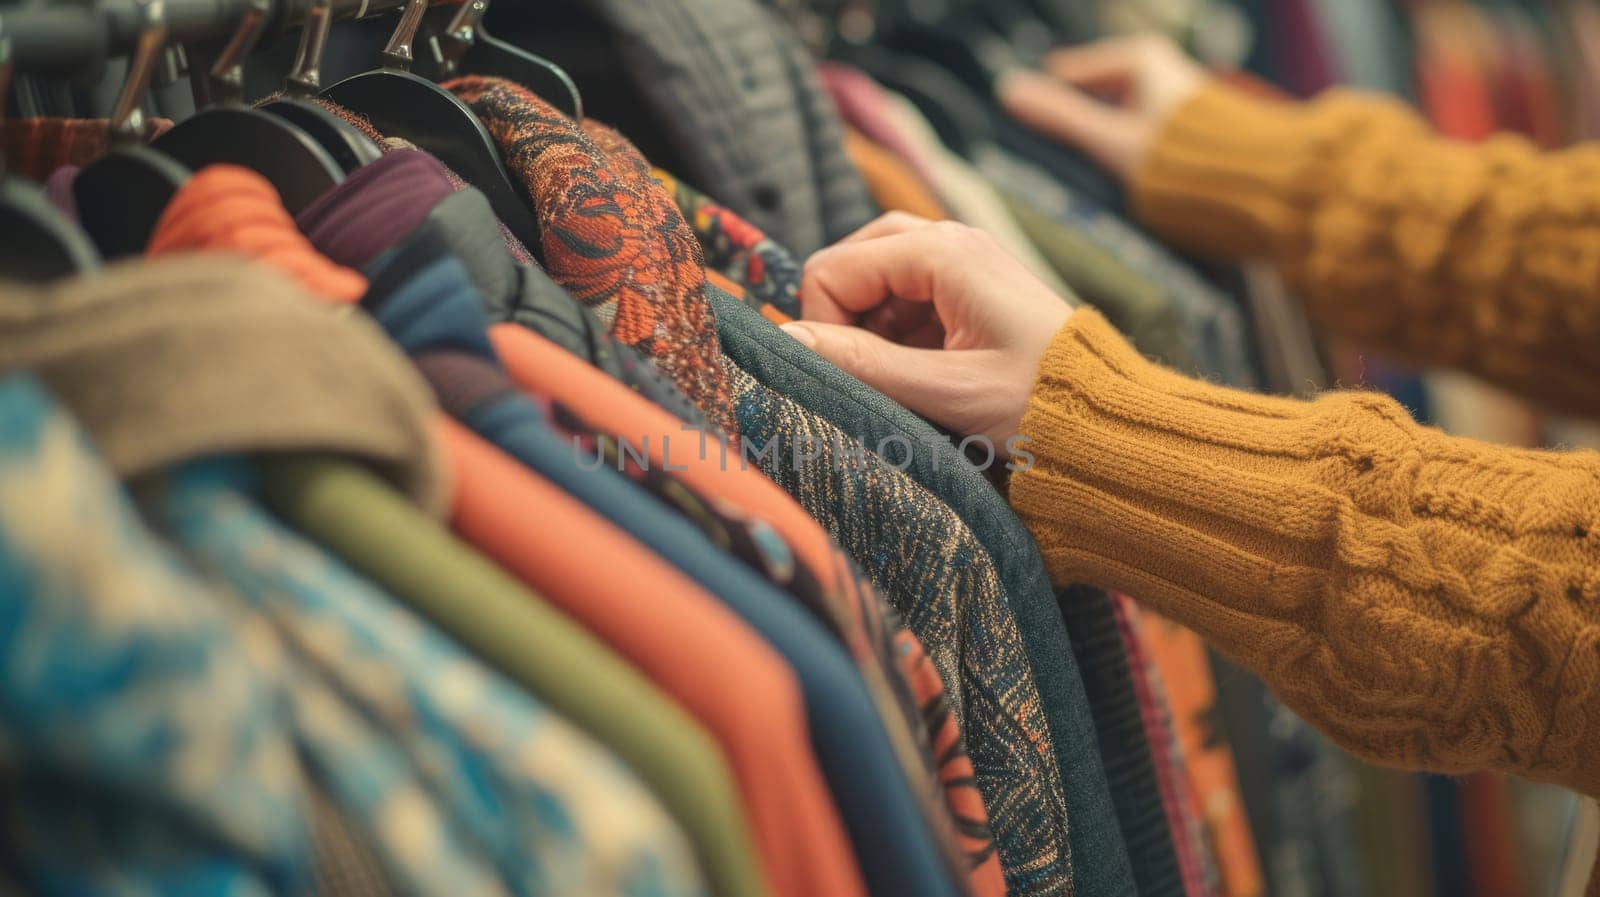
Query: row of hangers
{"points": [[301, 148]]}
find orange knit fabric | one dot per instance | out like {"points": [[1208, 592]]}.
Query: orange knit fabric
{"points": [[895, 187], [226, 208], [1481, 257], [1180, 656]]}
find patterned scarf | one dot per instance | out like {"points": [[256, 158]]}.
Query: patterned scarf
{"points": [[610, 235]]}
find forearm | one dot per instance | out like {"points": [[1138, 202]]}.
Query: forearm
{"points": [[1426, 601], [1485, 258]]}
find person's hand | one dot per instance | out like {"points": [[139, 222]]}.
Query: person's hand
{"points": [[1108, 98], [935, 315]]}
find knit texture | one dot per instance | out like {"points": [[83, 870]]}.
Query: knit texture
{"points": [[1482, 257], [945, 586], [388, 145], [36, 147], [1426, 601], [610, 235], [956, 775], [226, 208]]}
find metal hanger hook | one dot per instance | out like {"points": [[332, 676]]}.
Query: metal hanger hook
{"points": [[8, 67], [305, 77], [449, 47], [127, 115], [397, 53], [227, 73]]}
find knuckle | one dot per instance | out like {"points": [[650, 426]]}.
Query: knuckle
{"points": [[899, 218], [857, 355], [953, 234]]}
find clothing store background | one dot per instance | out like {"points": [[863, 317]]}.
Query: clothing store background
{"points": [[773, 131]]}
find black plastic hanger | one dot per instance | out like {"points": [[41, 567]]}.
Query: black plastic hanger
{"points": [[228, 131], [121, 195], [466, 48], [401, 104], [40, 243], [343, 141]]}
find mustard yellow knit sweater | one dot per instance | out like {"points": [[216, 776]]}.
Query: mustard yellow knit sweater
{"points": [[1427, 601]]}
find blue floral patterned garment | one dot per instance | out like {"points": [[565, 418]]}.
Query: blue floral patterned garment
{"points": [[146, 751], [549, 808], [157, 734]]}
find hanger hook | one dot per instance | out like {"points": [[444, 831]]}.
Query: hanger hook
{"points": [[128, 123], [305, 77], [449, 47], [397, 53], [7, 69], [227, 73]]}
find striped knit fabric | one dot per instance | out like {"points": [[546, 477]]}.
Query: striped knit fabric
{"points": [[944, 584], [610, 235], [1125, 749], [519, 253], [1188, 836]]}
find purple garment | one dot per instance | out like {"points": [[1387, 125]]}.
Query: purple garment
{"points": [[375, 207], [58, 189], [1304, 62]]}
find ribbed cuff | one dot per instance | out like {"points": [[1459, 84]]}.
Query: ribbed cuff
{"points": [[1171, 489], [1235, 174]]}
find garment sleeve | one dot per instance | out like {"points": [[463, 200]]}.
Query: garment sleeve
{"points": [[1483, 257], [1427, 601]]}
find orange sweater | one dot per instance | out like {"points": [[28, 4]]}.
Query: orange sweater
{"points": [[1429, 602]]}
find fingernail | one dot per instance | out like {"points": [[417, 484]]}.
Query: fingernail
{"points": [[801, 333]]}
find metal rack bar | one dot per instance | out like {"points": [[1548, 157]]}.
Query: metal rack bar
{"points": [[62, 38]]}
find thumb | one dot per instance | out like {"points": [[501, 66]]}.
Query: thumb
{"points": [[1059, 110], [923, 380]]}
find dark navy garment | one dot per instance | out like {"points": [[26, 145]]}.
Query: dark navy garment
{"points": [[1124, 745], [1100, 863], [434, 308]]}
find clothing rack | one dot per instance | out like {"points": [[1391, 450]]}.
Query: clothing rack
{"points": [[67, 38]]}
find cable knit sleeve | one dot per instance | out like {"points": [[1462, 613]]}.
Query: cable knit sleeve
{"points": [[1427, 601], [1481, 257]]}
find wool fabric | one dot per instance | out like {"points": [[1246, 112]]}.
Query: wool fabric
{"points": [[175, 359], [1478, 257], [227, 208], [36, 147], [376, 207], [1426, 601]]}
